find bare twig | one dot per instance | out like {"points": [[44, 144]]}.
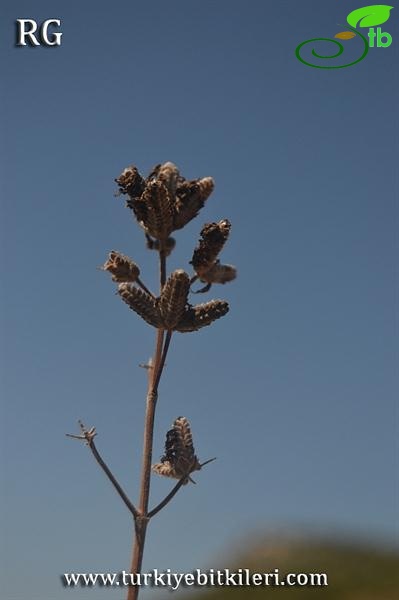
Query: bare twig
{"points": [[88, 437], [162, 360], [167, 498], [174, 491]]}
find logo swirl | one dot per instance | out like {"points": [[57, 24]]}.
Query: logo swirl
{"points": [[338, 53]]}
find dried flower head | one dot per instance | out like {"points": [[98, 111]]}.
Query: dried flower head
{"points": [[143, 304], [168, 174], [157, 210], [130, 182], [190, 198], [173, 299], [121, 267], [213, 238], [201, 315], [219, 274], [179, 458], [165, 201]]}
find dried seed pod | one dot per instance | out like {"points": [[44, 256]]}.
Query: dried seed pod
{"points": [[171, 444], [202, 315], [190, 198], [183, 441], [219, 274], [122, 268], [213, 238], [130, 182], [167, 245], [165, 469], [173, 298], [168, 173], [156, 210], [143, 304], [179, 458]]}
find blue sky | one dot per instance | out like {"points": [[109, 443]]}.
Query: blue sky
{"points": [[294, 390]]}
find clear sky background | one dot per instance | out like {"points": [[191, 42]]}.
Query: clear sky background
{"points": [[294, 390]]}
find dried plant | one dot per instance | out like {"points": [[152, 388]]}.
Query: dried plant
{"points": [[179, 459], [162, 203]]}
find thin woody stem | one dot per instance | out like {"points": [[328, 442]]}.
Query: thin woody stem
{"points": [[167, 498], [173, 492], [88, 437], [162, 360], [152, 396], [155, 373], [112, 479]]}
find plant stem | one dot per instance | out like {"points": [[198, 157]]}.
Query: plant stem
{"points": [[174, 491], [168, 498], [162, 267], [112, 479], [88, 435], [155, 373]]}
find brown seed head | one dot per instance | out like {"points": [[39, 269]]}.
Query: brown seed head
{"points": [[219, 274], [168, 174], [130, 182], [156, 210], [213, 238], [190, 198], [121, 267], [143, 304], [202, 315], [173, 298], [179, 458]]}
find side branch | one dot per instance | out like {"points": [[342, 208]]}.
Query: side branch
{"points": [[88, 437], [168, 498], [161, 364], [174, 491]]}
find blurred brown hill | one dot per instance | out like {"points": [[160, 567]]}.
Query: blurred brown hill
{"points": [[355, 570]]}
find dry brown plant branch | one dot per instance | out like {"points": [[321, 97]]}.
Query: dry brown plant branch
{"points": [[174, 491], [165, 349], [162, 203], [168, 498], [88, 437], [161, 351]]}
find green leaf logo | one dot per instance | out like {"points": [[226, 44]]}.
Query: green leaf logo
{"points": [[368, 16]]}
